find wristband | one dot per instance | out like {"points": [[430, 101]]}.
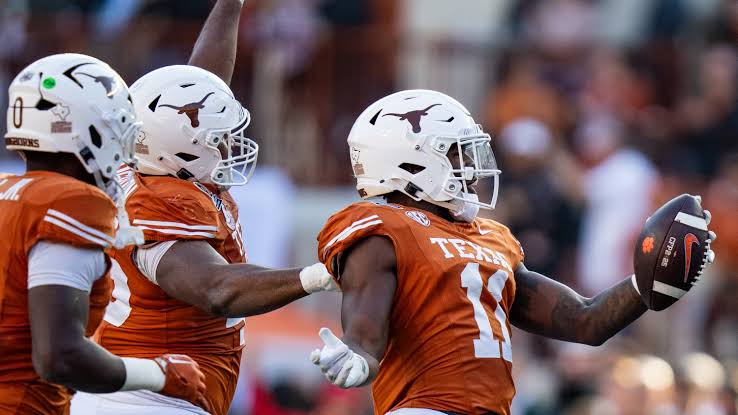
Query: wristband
{"points": [[314, 278], [142, 374]]}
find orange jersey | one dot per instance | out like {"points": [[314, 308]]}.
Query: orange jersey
{"points": [[34, 207], [449, 334], [142, 320]]}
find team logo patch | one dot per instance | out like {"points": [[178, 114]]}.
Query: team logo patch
{"points": [[355, 156], [62, 126], [229, 219], [419, 217], [141, 148], [647, 244], [218, 202]]}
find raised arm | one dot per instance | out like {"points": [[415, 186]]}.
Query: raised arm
{"points": [[368, 283], [193, 272], [215, 49], [548, 308]]}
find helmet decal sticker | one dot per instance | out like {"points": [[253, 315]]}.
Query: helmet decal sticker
{"points": [[107, 82], [192, 110], [62, 126], [413, 117], [141, 147], [49, 83]]}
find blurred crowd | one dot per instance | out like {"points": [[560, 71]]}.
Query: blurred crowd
{"points": [[600, 111]]}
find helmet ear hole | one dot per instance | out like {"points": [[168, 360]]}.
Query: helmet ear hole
{"points": [[412, 168], [95, 137], [187, 156]]}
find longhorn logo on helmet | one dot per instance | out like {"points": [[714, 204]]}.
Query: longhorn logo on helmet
{"points": [[192, 110], [413, 117]]}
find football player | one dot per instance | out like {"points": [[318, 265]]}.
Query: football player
{"points": [[189, 287], [429, 289], [72, 120]]}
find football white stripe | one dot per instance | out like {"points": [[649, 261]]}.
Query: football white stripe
{"points": [[347, 232], [667, 289], [348, 228], [75, 231], [179, 232], [74, 222], [691, 220], [175, 225]]}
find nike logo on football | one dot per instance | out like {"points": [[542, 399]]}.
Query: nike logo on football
{"points": [[689, 239]]}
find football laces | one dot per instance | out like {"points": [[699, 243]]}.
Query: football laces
{"points": [[707, 258]]}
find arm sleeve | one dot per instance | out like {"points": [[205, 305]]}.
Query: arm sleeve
{"points": [[187, 215], [80, 218], [347, 227], [147, 258], [51, 263]]}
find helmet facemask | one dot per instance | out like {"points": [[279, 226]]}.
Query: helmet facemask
{"points": [[470, 159], [238, 154]]}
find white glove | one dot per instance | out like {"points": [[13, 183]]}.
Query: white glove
{"points": [[339, 364], [316, 278]]}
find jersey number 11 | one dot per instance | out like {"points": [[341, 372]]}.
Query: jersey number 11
{"points": [[487, 346]]}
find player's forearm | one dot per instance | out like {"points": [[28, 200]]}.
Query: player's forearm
{"points": [[215, 49], [603, 316], [243, 290], [545, 307], [84, 366]]}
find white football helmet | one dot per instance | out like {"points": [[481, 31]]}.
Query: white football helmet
{"points": [[77, 104], [192, 127], [403, 141]]}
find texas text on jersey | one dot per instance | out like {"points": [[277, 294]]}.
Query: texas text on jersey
{"points": [[449, 337], [142, 320], [43, 206]]}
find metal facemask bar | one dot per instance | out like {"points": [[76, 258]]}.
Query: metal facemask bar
{"points": [[237, 168], [476, 161]]}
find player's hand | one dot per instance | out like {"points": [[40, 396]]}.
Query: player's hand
{"points": [[339, 364], [317, 278], [184, 379]]}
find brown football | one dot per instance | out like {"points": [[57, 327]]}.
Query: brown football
{"points": [[670, 253]]}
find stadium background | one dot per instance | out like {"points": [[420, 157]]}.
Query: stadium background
{"points": [[600, 111]]}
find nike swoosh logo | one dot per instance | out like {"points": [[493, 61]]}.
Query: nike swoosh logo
{"points": [[689, 240], [484, 232]]}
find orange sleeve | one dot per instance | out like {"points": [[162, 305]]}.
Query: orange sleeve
{"points": [[350, 225], [79, 216], [174, 214]]}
